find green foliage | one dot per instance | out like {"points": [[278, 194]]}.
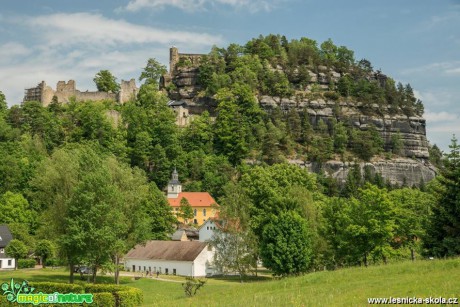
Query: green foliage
{"points": [[103, 300], [234, 241], [192, 285], [397, 143], [185, 210], [26, 263], [366, 143], [3, 104], [16, 209], [103, 204], [44, 249], [285, 247], [106, 82], [442, 237], [16, 249], [152, 72], [129, 298], [411, 216]]}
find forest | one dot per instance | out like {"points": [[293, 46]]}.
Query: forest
{"points": [[83, 182]]}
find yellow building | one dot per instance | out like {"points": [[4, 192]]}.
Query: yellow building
{"points": [[202, 203]]}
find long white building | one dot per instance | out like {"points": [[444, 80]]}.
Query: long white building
{"points": [[186, 258]]}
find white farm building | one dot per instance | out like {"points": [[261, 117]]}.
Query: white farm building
{"points": [[186, 258]]}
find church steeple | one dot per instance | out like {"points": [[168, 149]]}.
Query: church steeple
{"points": [[174, 186]]}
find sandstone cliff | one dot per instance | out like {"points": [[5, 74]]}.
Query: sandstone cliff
{"points": [[411, 168]]}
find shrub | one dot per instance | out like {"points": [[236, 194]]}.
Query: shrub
{"points": [[26, 263], [103, 299], [192, 285], [104, 288], [53, 262], [51, 287], [129, 298], [331, 95]]}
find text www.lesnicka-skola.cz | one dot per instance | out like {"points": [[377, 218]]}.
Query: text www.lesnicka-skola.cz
{"points": [[412, 300]]}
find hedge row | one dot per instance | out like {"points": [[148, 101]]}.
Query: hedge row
{"points": [[103, 295], [26, 263]]}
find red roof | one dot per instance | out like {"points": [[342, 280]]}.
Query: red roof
{"points": [[195, 199]]}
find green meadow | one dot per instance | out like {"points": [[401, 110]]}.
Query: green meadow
{"points": [[345, 287]]}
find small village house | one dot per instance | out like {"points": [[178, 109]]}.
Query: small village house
{"points": [[202, 203], [185, 258], [207, 230], [6, 262]]}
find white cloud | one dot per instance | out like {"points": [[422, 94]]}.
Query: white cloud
{"points": [[76, 46], [94, 29], [198, 5], [442, 116], [449, 68]]}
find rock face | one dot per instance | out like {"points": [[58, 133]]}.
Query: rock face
{"points": [[411, 129], [412, 169], [397, 171]]}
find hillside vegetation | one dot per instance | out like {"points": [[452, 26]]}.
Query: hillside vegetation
{"points": [[102, 168]]}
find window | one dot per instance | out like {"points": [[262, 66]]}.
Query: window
{"points": [[139, 268], [134, 268], [207, 227], [2, 250], [174, 271], [154, 269], [9, 262], [195, 221], [166, 271], [1, 238], [144, 269], [204, 212], [150, 269], [194, 212]]}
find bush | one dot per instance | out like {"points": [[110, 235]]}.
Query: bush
{"points": [[51, 287], [192, 285], [103, 295], [26, 263], [103, 299], [105, 288], [130, 298], [331, 95], [53, 262]]}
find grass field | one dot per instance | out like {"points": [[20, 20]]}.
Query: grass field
{"points": [[346, 287]]}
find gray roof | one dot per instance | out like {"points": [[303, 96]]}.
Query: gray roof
{"points": [[167, 250], [5, 236]]}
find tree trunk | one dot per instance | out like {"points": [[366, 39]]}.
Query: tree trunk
{"points": [[16, 264], [365, 260], [412, 254], [72, 268], [94, 274], [117, 270]]}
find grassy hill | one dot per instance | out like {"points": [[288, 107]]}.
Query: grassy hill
{"points": [[347, 287]]}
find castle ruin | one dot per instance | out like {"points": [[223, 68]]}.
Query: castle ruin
{"points": [[66, 90]]}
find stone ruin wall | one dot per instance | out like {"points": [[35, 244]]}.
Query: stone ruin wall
{"points": [[66, 90]]}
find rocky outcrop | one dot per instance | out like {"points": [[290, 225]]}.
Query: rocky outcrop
{"points": [[400, 171], [411, 169], [411, 129]]}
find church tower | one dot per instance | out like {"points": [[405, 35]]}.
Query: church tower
{"points": [[174, 186]]}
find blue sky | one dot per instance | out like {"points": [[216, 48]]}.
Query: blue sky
{"points": [[413, 41]]}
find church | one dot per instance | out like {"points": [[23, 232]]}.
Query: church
{"points": [[202, 203]]}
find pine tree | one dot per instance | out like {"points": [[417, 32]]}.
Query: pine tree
{"points": [[443, 234]]}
